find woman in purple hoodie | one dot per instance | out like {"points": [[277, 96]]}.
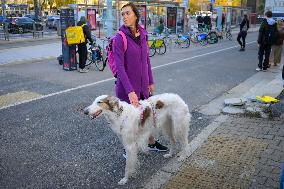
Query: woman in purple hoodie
{"points": [[134, 74]]}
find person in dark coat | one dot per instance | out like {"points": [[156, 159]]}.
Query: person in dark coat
{"points": [[82, 47], [200, 21], [266, 37], [244, 26], [277, 46], [207, 21]]}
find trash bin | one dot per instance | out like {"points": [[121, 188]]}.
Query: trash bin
{"points": [[60, 59]]}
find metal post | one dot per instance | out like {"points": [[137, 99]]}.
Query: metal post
{"points": [[4, 8], [118, 14], [109, 18], [36, 10], [99, 21], [40, 8]]}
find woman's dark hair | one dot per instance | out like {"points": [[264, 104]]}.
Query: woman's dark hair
{"points": [[135, 10], [268, 14]]}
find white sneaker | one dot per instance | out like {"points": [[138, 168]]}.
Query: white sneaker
{"points": [[83, 70], [258, 69]]}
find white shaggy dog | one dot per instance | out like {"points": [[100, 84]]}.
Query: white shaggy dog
{"points": [[166, 112]]}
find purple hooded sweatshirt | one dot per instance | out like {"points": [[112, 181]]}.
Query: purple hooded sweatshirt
{"points": [[133, 67]]}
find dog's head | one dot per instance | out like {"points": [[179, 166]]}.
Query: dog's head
{"points": [[103, 104]]}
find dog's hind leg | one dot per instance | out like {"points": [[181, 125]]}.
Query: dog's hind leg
{"points": [[183, 137], [168, 128], [131, 162]]}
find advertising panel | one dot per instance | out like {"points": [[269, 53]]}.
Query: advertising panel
{"points": [[91, 15], [172, 18], [142, 12]]}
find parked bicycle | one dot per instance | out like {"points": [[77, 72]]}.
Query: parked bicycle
{"points": [[224, 33], [96, 56], [179, 40], [156, 45]]}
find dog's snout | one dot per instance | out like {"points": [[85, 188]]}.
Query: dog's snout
{"points": [[86, 111]]}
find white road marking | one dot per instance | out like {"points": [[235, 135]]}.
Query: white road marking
{"points": [[110, 79]]}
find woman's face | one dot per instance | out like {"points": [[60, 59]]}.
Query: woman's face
{"points": [[129, 18]]}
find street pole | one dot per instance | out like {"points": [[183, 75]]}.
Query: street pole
{"points": [[118, 14], [99, 16], [4, 8], [40, 8], [36, 9], [109, 18]]}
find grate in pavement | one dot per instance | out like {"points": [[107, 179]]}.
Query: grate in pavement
{"points": [[222, 162]]}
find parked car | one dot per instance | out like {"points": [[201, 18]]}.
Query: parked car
{"points": [[52, 22], [22, 24]]}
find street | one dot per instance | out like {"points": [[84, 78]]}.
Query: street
{"points": [[49, 143]]}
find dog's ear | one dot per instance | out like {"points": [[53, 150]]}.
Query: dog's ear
{"points": [[159, 104], [112, 102], [146, 114]]}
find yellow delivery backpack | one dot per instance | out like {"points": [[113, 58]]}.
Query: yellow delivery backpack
{"points": [[75, 35]]}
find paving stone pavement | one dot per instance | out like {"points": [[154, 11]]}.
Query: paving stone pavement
{"points": [[242, 152]]}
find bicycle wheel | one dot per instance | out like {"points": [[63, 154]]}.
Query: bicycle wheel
{"points": [[212, 38], [203, 42], [152, 48], [229, 36], [89, 58], [183, 43], [100, 64], [162, 49]]}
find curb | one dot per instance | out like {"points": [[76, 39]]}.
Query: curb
{"points": [[173, 166], [29, 61], [13, 41]]}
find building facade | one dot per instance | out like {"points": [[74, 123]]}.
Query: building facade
{"points": [[275, 5]]}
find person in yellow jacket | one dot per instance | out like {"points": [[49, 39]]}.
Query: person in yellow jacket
{"points": [[82, 47]]}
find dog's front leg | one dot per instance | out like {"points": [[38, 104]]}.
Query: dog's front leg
{"points": [[131, 162]]}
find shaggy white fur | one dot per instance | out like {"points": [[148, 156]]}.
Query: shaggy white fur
{"points": [[164, 112]]}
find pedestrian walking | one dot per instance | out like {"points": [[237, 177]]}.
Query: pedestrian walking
{"points": [[244, 26], [266, 37], [223, 20], [200, 21], [134, 74], [207, 21], [277, 47], [82, 47]]}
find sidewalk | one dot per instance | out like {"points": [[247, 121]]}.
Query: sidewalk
{"points": [[30, 53], [234, 151], [241, 153], [17, 38]]}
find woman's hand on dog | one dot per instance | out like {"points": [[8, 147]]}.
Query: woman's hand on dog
{"points": [[133, 99], [151, 89]]}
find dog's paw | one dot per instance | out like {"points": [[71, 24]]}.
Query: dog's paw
{"points": [[123, 181], [168, 155]]}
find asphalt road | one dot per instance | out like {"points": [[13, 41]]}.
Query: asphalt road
{"points": [[49, 143]]}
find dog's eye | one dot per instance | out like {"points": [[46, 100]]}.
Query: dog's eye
{"points": [[100, 102]]}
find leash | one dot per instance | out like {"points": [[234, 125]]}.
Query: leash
{"points": [[154, 113]]}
